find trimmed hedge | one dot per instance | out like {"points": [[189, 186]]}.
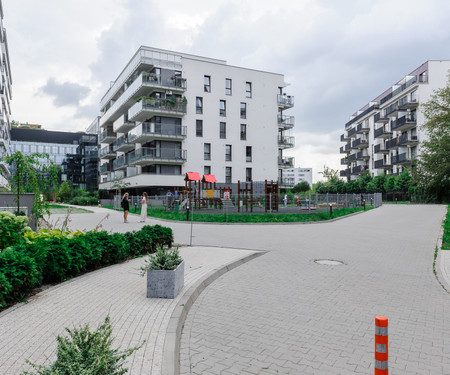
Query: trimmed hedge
{"points": [[55, 259]]}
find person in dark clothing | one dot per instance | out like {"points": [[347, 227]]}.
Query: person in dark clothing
{"points": [[126, 207]]}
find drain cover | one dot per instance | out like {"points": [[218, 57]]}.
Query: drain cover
{"points": [[329, 262]]}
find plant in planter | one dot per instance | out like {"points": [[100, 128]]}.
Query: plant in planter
{"points": [[165, 273]]}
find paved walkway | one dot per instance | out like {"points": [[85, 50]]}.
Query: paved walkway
{"points": [[279, 313]]}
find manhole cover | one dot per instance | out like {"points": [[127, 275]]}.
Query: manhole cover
{"points": [[329, 262]]}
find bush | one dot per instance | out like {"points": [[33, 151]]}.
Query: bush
{"points": [[86, 352], [162, 260], [18, 275], [12, 229]]}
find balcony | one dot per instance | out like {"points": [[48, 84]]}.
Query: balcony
{"points": [[285, 101], [105, 168], [404, 123], [360, 169], [345, 173], [345, 149], [407, 103], [122, 125], [107, 136], [363, 128], [107, 153], [344, 161], [379, 118], [149, 131], [123, 144], [351, 132], [401, 159], [408, 140], [149, 107], [380, 149], [150, 155], [392, 110], [360, 143], [286, 162], [352, 157], [393, 144], [286, 182], [286, 122], [382, 133], [344, 138], [286, 142], [382, 164], [120, 163], [362, 155]]}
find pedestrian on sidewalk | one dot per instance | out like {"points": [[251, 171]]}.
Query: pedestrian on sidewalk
{"points": [[144, 203], [126, 207]]}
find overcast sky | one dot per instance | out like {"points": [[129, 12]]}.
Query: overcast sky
{"points": [[336, 54]]}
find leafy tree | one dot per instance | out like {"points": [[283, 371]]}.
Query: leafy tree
{"points": [[403, 181], [433, 168], [32, 176], [117, 183], [301, 187], [65, 192], [330, 174], [389, 185]]}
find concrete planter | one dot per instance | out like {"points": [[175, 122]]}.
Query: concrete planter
{"points": [[165, 284]]}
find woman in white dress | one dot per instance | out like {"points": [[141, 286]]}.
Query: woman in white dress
{"points": [[144, 203]]}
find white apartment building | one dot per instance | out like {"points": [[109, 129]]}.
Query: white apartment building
{"points": [[297, 175], [5, 96], [168, 113], [385, 135]]}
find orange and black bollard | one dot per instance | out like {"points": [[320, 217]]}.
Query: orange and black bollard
{"points": [[381, 345]]}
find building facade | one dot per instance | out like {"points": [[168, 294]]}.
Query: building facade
{"points": [[169, 113], [296, 175], [384, 136], [5, 96]]}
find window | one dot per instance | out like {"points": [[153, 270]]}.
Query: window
{"points": [[243, 110], [248, 174], [228, 175], [223, 130], [243, 132], [248, 89], [227, 152], [207, 83], [248, 154], [207, 151], [207, 169], [199, 128], [222, 108], [227, 86], [199, 105]]}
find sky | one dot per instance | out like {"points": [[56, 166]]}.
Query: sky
{"points": [[336, 55]]}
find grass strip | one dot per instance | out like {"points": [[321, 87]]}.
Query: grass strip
{"points": [[446, 235]]}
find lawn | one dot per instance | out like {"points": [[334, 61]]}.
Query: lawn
{"points": [[446, 235], [60, 209], [161, 213]]}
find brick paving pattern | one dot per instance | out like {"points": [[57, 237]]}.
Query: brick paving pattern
{"points": [[284, 314]]}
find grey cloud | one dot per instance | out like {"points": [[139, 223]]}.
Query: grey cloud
{"points": [[64, 94]]}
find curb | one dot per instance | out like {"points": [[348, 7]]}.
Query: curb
{"points": [[171, 350]]}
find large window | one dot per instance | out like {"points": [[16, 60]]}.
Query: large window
{"points": [[227, 152], [207, 83], [243, 132], [227, 86], [228, 175], [248, 174], [248, 153], [223, 108], [207, 151], [248, 89], [223, 130], [207, 169], [199, 128], [243, 110], [199, 105]]}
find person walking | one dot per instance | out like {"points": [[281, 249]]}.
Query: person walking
{"points": [[126, 207], [144, 203]]}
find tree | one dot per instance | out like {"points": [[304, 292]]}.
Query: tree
{"points": [[403, 181], [302, 186], [432, 173], [65, 192], [330, 174], [32, 176], [117, 183]]}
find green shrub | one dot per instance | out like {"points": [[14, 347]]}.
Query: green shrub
{"points": [[12, 229], [18, 275], [83, 352], [163, 259]]}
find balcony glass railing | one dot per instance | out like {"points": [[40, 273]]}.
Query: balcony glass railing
{"points": [[391, 109], [381, 131], [407, 139], [401, 121], [286, 120], [156, 129], [286, 162], [151, 153], [286, 141], [286, 181], [107, 134], [285, 100], [351, 132], [106, 151], [120, 142], [121, 161], [154, 104]]}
